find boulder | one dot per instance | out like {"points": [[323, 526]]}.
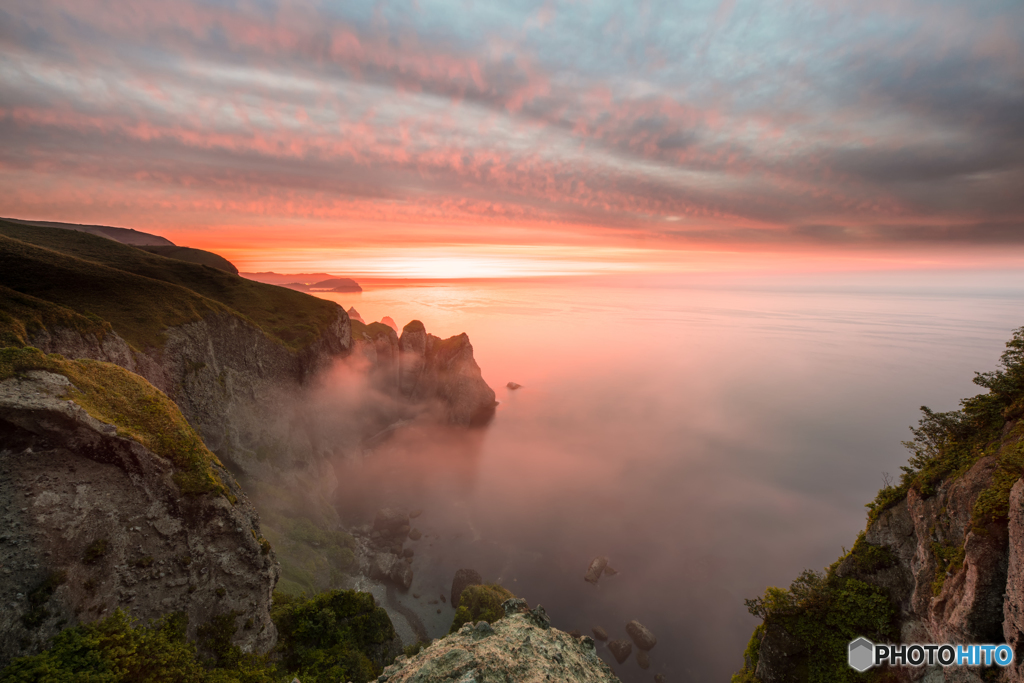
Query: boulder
{"points": [[597, 566], [464, 578], [415, 535], [387, 567], [620, 649], [600, 633], [641, 635], [643, 660], [513, 386]]}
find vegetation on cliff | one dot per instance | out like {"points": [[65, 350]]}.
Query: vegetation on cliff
{"points": [[821, 613], [135, 407], [337, 636], [138, 293], [480, 603]]}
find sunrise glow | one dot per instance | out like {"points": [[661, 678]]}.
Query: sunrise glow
{"points": [[433, 139]]}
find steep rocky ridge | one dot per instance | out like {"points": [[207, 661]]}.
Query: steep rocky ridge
{"points": [[941, 559], [93, 520]]}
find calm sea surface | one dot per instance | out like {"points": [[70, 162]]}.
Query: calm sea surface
{"points": [[710, 439]]}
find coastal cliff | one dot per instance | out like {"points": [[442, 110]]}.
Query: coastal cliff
{"points": [[110, 500], [240, 365], [940, 561]]}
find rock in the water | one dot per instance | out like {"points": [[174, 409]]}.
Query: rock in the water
{"points": [[415, 535], [387, 320], [641, 635], [442, 597], [608, 571], [643, 659], [354, 315], [511, 649], [408, 552], [575, 633], [389, 521], [597, 566], [387, 567], [620, 649], [600, 633], [513, 386], [463, 578]]}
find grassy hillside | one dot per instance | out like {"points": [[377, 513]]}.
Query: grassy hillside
{"points": [[197, 256], [138, 409], [141, 294]]}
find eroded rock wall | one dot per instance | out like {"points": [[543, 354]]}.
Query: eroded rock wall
{"points": [[90, 521]]}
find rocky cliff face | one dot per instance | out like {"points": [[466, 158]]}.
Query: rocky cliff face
{"points": [[520, 647], [438, 376], [93, 521], [941, 559]]}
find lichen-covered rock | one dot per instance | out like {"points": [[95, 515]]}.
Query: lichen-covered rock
{"points": [[91, 521], [512, 649]]}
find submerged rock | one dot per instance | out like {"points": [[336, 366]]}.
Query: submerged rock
{"points": [[513, 386], [415, 534], [600, 633], [597, 566], [463, 579], [643, 659], [620, 649], [641, 635], [511, 649]]}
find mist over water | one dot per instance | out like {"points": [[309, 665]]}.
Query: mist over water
{"points": [[710, 439]]}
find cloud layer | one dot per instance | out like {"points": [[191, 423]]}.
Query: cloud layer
{"points": [[750, 125]]}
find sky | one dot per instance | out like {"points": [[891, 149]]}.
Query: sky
{"points": [[461, 138]]}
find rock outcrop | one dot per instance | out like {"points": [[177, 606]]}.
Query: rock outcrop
{"points": [[91, 520], [520, 647]]}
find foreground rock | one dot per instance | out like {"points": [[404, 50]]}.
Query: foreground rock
{"points": [[464, 578], [521, 647], [641, 635], [91, 521]]}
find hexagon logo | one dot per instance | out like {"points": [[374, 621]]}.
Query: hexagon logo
{"points": [[861, 654]]}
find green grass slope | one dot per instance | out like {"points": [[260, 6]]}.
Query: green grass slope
{"points": [[139, 410], [197, 256], [142, 294]]}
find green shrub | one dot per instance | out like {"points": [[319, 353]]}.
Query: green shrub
{"points": [[480, 603], [334, 636], [119, 650]]}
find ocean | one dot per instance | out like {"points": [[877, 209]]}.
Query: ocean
{"points": [[709, 435]]}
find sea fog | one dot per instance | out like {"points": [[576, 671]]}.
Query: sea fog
{"points": [[711, 436]]}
